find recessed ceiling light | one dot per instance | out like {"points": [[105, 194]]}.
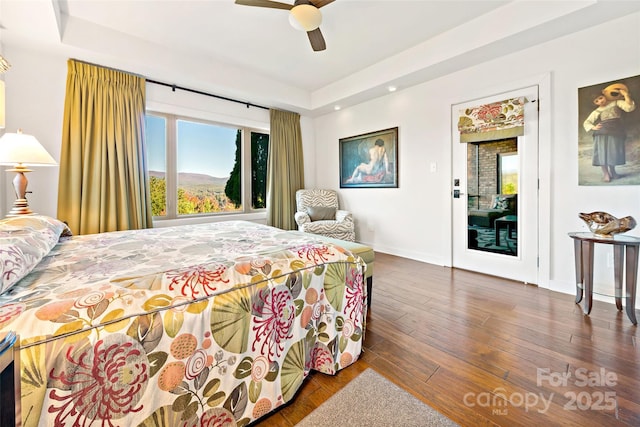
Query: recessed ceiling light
{"points": [[392, 88], [337, 107]]}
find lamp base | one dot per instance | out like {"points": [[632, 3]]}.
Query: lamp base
{"points": [[20, 207]]}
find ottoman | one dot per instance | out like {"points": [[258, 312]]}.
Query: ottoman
{"points": [[364, 252]]}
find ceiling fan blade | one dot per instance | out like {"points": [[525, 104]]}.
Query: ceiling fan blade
{"points": [[320, 3], [317, 40], [265, 3]]}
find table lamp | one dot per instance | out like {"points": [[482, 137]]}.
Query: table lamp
{"points": [[21, 150]]}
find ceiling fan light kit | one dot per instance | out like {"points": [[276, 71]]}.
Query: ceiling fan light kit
{"points": [[305, 17]]}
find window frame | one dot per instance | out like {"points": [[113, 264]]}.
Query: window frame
{"points": [[171, 175], [501, 173]]}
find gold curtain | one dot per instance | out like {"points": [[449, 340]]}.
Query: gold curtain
{"points": [[490, 122], [103, 179], [285, 171]]}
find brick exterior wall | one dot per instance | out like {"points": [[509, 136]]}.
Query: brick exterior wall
{"points": [[482, 167]]}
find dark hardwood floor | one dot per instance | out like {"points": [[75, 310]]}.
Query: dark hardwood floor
{"points": [[486, 351]]}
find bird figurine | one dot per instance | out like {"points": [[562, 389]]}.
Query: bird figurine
{"points": [[606, 225]]}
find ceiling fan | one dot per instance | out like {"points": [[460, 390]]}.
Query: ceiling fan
{"points": [[304, 15]]}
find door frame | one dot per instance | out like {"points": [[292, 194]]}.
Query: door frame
{"points": [[543, 81]]}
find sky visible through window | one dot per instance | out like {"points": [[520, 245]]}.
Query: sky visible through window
{"points": [[510, 164], [202, 148]]}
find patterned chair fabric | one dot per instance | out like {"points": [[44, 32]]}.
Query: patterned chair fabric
{"points": [[341, 228]]}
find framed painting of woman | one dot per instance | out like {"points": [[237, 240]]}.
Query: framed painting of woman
{"points": [[370, 160], [609, 133]]}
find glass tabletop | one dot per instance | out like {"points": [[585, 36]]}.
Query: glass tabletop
{"points": [[615, 239]]}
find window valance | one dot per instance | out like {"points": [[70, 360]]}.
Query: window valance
{"points": [[498, 120]]}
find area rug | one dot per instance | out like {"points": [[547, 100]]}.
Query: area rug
{"points": [[486, 240], [373, 401]]}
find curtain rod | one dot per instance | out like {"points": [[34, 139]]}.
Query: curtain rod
{"points": [[199, 92], [174, 87]]}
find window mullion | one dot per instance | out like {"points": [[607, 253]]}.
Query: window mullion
{"points": [[246, 169], [172, 168]]}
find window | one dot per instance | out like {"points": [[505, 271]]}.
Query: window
{"points": [[508, 165], [204, 168]]}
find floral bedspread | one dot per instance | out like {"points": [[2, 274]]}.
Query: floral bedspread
{"points": [[211, 324]]}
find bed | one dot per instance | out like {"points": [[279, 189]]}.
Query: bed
{"points": [[202, 325]]}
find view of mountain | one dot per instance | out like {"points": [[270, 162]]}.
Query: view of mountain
{"points": [[194, 179], [197, 194]]}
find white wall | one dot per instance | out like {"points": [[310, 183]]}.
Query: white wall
{"points": [[411, 220], [35, 86]]}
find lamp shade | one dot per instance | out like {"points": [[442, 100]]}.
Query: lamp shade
{"points": [[20, 148], [305, 17]]}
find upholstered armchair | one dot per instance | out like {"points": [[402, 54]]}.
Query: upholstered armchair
{"points": [[318, 213]]}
